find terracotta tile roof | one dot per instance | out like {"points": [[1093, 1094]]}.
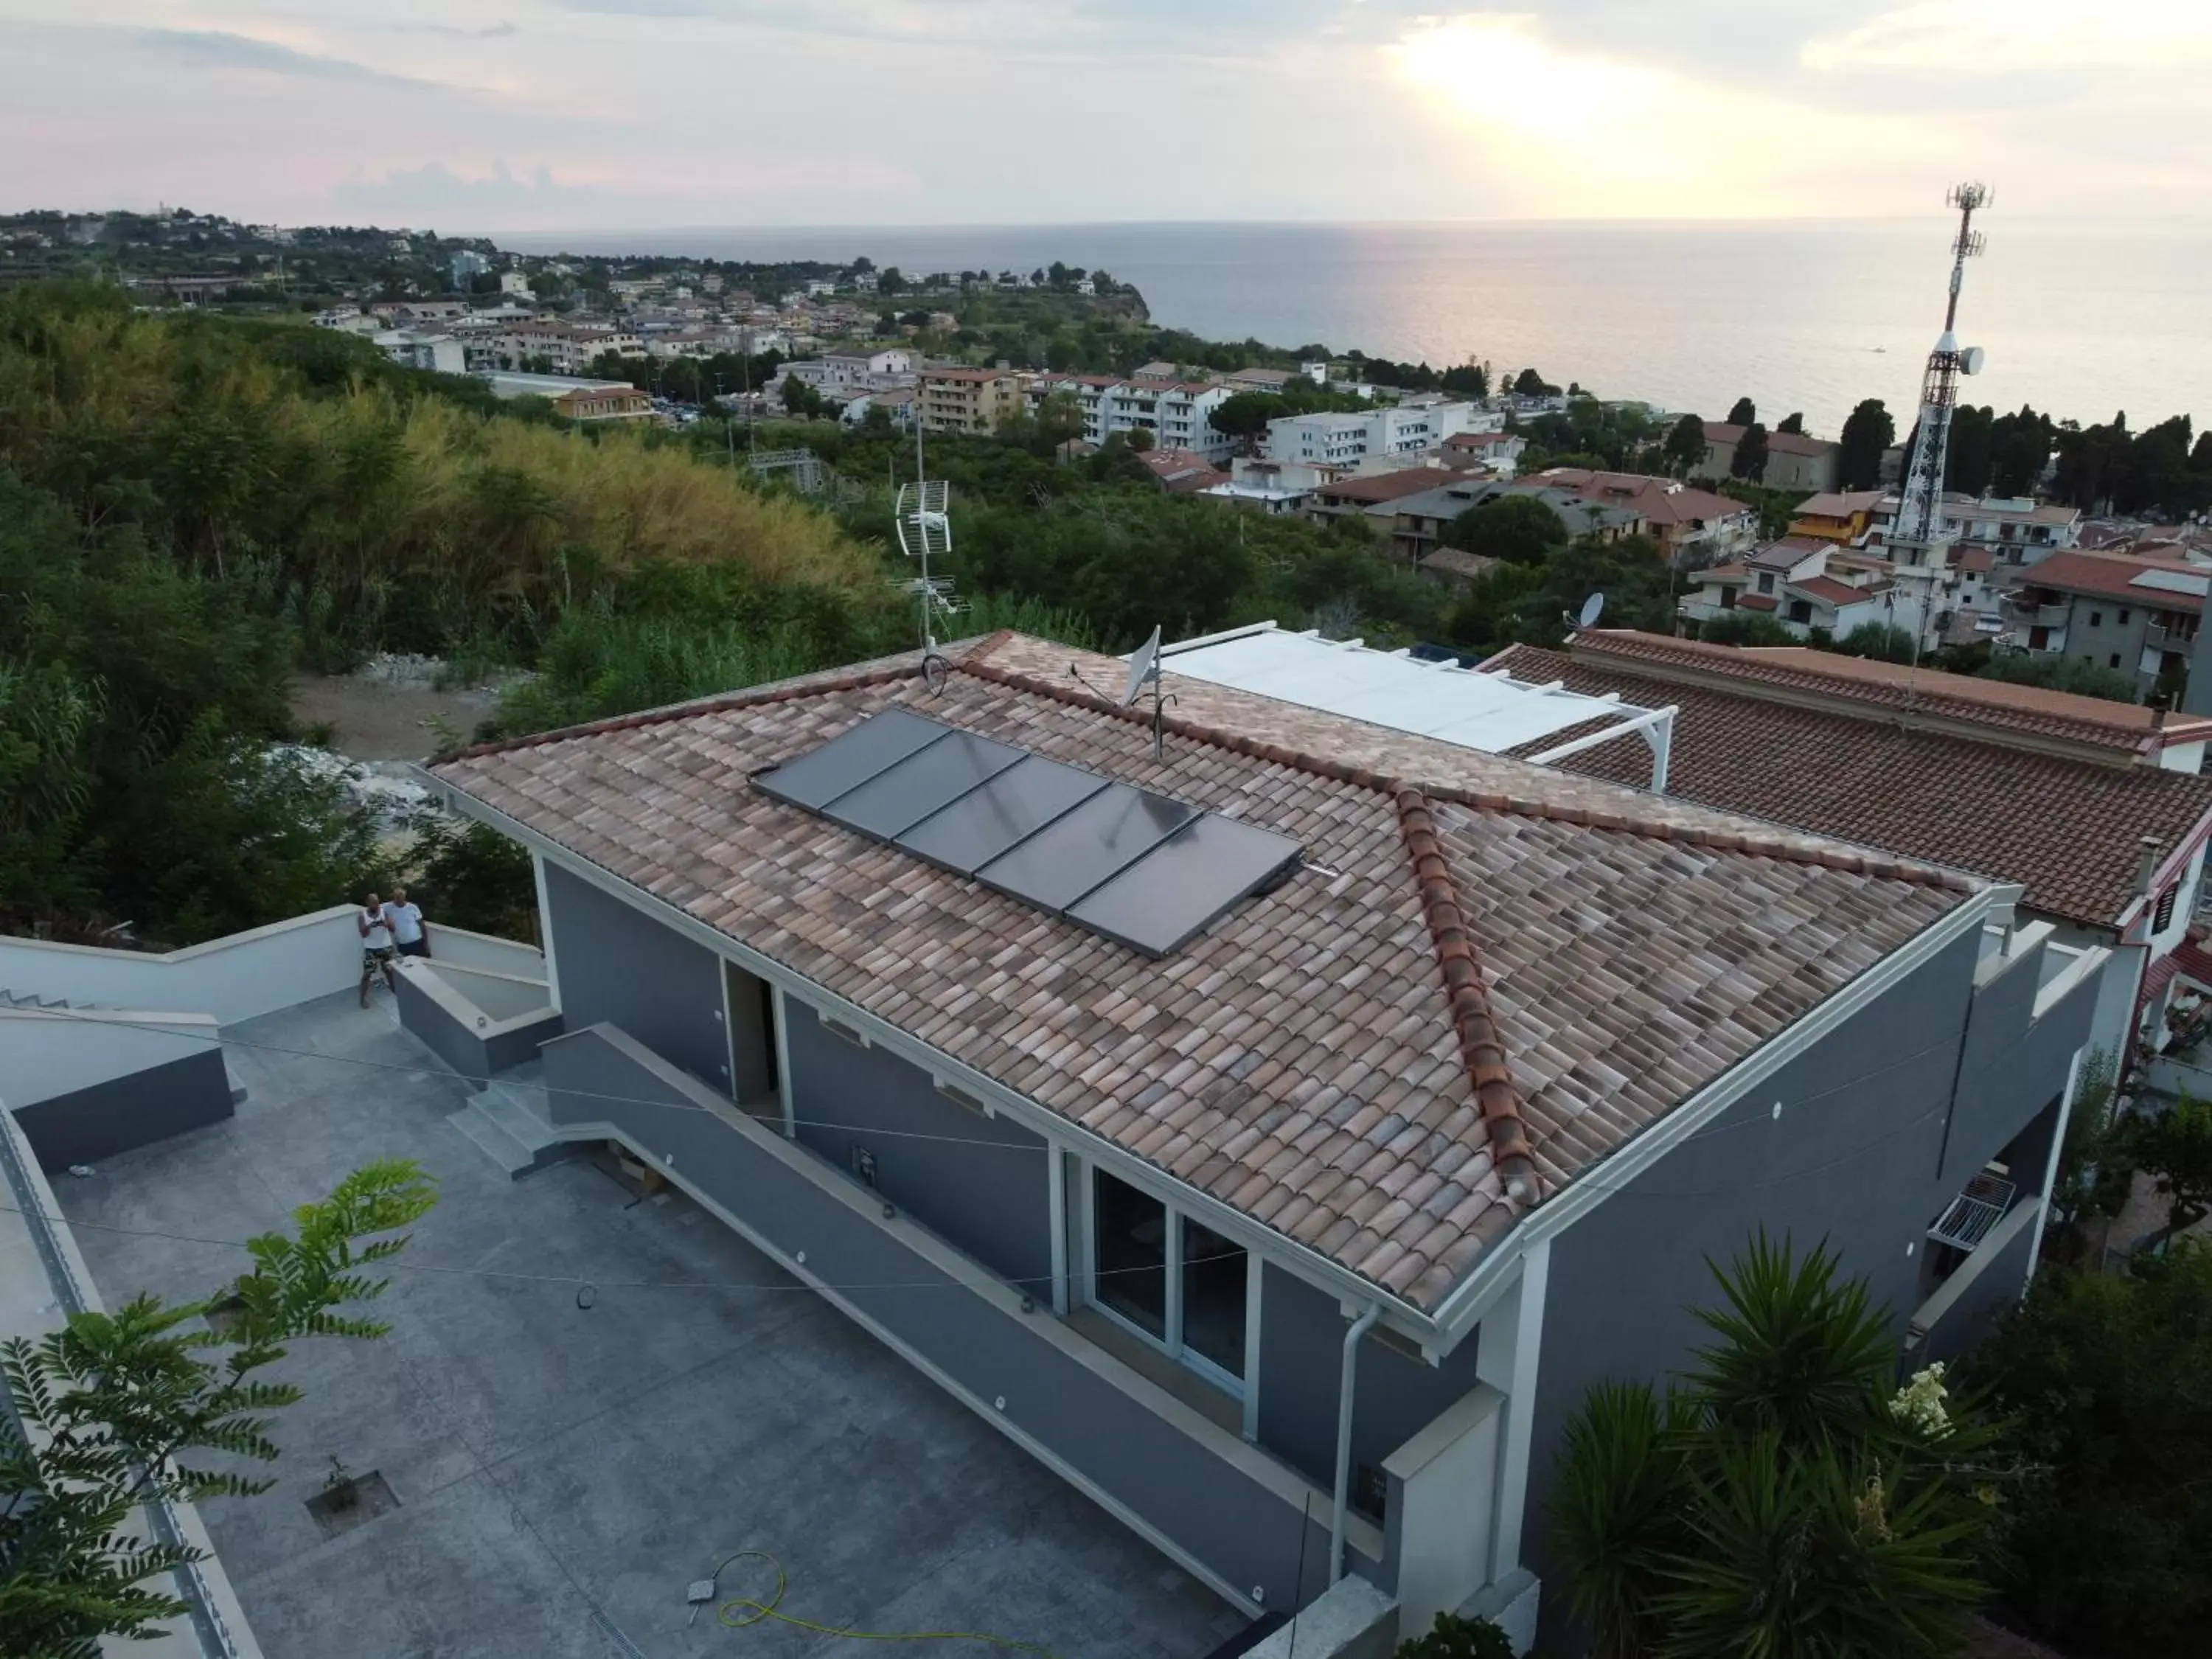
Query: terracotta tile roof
{"points": [[1829, 590], [1661, 500], [2067, 829], [1377, 487], [1755, 602], [1999, 705], [1787, 552], [1780, 443], [1837, 503], [2114, 576], [1489, 977]]}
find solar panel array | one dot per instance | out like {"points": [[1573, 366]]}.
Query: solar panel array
{"points": [[1143, 869]]}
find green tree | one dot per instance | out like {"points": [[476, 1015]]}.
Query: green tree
{"points": [[1742, 412], [1868, 432], [1518, 529], [2108, 1550], [2175, 1146], [2021, 446], [1971, 455], [1794, 422], [1783, 1500], [1883, 642], [1745, 628], [1749, 461], [1685, 448], [1060, 419], [1142, 439], [2057, 674], [116, 1409]]}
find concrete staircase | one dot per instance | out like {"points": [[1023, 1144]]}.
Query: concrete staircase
{"points": [[510, 1122]]}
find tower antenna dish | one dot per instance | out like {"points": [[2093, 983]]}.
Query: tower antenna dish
{"points": [[1592, 607], [1919, 551]]}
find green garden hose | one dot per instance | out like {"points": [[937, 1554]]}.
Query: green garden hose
{"points": [[737, 1612]]}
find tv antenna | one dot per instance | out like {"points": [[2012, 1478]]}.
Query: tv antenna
{"points": [[925, 532], [1592, 607]]}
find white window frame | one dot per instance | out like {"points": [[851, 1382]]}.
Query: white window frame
{"points": [[1171, 1343]]}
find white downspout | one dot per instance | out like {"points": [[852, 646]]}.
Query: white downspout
{"points": [[2051, 1164], [1360, 1327]]}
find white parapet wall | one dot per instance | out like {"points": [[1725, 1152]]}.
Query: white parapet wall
{"points": [[44, 1279], [241, 975], [45, 1054]]}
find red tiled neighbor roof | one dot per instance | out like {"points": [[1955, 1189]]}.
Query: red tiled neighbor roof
{"points": [[2067, 829], [2113, 575], [1999, 705], [1489, 977]]}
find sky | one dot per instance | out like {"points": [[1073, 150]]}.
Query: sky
{"points": [[481, 116]]}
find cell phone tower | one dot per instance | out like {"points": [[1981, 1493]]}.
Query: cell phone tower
{"points": [[1919, 522]]}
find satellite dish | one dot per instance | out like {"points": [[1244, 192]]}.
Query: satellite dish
{"points": [[1970, 360], [1142, 666], [1592, 607]]}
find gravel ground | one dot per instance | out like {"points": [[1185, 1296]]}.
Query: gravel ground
{"points": [[388, 710]]}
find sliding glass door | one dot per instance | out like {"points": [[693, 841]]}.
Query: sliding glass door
{"points": [[1177, 1283]]}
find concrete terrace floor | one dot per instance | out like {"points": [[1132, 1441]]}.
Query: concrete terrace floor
{"points": [[564, 1471]]}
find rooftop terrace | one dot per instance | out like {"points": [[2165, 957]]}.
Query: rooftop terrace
{"points": [[588, 1397]]}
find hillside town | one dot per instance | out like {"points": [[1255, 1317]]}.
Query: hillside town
{"points": [[1201, 969]]}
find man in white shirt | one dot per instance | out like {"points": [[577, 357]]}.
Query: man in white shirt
{"points": [[409, 931], [375, 947]]}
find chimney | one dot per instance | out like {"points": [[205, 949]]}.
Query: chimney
{"points": [[2146, 863], [2197, 696]]}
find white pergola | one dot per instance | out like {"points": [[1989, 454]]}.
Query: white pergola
{"points": [[1490, 711]]}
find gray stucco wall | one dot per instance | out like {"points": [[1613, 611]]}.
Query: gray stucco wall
{"points": [[476, 1054], [1060, 1393], [1997, 1287], [2101, 640], [1301, 1362], [621, 967], [136, 1109], [984, 1185], [2014, 1066], [1853, 1159]]}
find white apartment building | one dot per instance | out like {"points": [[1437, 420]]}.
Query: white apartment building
{"points": [[874, 371], [568, 348], [1178, 413], [1346, 438], [440, 352], [2013, 528], [516, 282]]}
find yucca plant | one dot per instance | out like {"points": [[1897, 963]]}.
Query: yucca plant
{"points": [[1617, 1519], [1800, 1354], [1785, 1501]]}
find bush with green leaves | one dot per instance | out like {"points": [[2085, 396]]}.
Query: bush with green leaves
{"points": [[2106, 1382], [151, 1401], [1785, 1499], [1454, 1637]]}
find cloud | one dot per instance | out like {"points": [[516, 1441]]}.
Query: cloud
{"points": [[435, 189], [219, 49], [499, 31], [2010, 37], [1585, 133]]}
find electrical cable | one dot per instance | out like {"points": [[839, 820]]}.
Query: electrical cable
{"points": [[595, 1285], [740, 1612], [89, 1017]]}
